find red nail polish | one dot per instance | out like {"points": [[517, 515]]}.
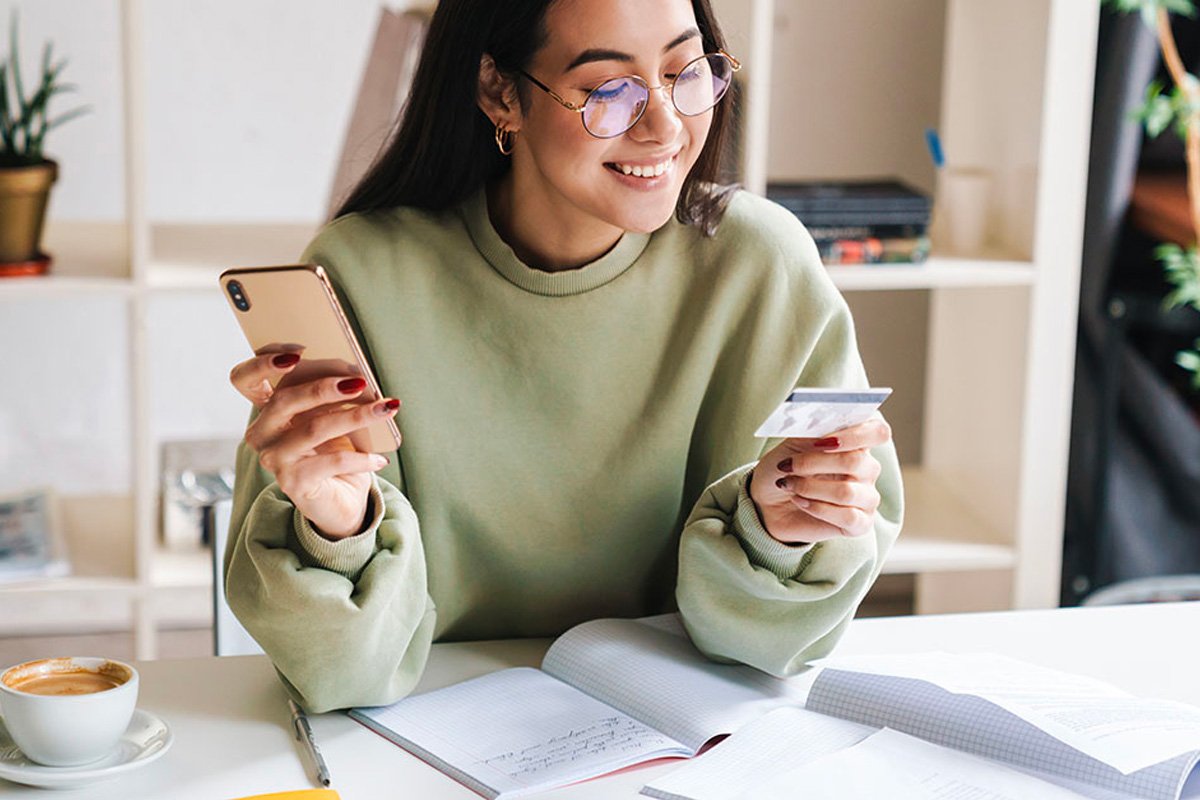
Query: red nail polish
{"points": [[832, 443], [352, 385], [781, 483], [392, 405], [285, 360], [785, 465]]}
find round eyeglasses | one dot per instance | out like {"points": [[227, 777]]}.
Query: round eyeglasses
{"points": [[616, 105]]}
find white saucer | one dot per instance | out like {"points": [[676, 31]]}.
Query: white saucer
{"points": [[147, 738]]}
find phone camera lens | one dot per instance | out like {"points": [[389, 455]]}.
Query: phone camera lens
{"points": [[238, 295]]}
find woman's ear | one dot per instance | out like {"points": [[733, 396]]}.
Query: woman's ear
{"points": [[497, 96]]}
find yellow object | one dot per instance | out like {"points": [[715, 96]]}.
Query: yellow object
{"points": [[299, 794], [24, 192]]}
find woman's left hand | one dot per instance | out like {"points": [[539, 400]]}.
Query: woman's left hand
{"points": [[810, 490]]}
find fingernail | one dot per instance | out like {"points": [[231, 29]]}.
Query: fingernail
{"points": [[801, 502], [785, 465], [387, 407], [379, 461], [352, 385], [781, 483], [285, 360], [831, 443]]}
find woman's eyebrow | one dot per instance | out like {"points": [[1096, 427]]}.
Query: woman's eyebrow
{"points": [[599, 54]]}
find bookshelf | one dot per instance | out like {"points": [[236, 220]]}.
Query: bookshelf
{"points": [[983, 429], [834, 88]]}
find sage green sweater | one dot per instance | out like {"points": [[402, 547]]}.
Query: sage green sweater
{"points": [[576, 445]]}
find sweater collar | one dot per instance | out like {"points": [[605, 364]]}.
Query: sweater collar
{"points": [[554, 284]]}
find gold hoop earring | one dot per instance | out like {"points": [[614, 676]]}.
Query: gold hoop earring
{"points": [[505, 140]]}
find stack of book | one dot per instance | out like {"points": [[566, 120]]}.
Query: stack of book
{"points": [[860, 222]]}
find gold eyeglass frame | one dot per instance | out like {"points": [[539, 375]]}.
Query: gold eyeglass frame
{"points": [[578, 109]]}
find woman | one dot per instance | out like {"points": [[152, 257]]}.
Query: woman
{"points": [[585, 332]]}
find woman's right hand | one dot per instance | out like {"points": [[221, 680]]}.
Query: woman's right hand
{"points": [[301, 435]]}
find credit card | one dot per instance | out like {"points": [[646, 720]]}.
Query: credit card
{"points": [[813, 412]]}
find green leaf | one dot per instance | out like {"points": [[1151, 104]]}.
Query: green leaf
{"points": [[1159, 116], [1182, 270], [6, 123], [1185, 8], [67, 117], [1149, 8], [1189, 360], [1167, 251]]}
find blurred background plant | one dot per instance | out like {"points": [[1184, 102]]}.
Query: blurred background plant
{"points": [[25, 119], [1177, 108]]}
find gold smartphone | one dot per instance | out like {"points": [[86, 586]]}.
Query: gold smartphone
{"points": [[294, 309]]}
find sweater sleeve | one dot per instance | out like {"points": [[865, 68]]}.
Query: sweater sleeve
{"points": [[345, 623], [746, 597]]}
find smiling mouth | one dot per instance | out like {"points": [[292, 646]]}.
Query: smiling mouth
{"points": [[643, 170]]}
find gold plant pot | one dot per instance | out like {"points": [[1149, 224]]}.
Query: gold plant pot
{"points": [[23, 195]]}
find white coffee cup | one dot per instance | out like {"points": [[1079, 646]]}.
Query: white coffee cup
{"points": [[64, 712]]}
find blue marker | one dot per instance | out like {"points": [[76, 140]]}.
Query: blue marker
{"points": [[934, 142]]}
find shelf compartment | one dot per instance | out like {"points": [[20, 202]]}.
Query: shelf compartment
{"points": [[71, 604], [941, 534], [191, 256], [88, 257], [61, 285]]}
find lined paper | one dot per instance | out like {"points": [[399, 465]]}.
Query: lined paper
{"points": [[975, 725], [784, 738], [652, 671], [517, 731]]}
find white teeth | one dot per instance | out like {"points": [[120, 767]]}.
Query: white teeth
{"points": [[646, 171]]}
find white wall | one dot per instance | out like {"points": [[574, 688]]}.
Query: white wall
{"points": [[89, 150], [64, 395], [887, 56], [245, 103]]}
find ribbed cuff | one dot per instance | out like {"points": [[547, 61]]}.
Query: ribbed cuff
{"points": [[347, 556], [785, 560]]}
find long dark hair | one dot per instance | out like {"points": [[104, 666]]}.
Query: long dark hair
{"points": [[445, 149]]}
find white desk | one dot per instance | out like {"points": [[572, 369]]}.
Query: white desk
{"points": [[232, 733]]}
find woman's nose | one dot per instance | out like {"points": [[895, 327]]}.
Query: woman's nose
{"points": [[660, 122]]}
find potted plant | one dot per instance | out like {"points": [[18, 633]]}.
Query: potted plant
{"points": [[26, 175], [1178, 108]]}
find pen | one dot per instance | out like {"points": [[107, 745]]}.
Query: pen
{"points": [[934, 143], [304, 734]]}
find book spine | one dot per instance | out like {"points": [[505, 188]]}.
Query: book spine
{"points": [[827, 219], [858, 206], [870, 250], [826, 232]]}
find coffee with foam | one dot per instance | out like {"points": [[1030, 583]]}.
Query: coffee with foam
{"points": [[64, 676]]}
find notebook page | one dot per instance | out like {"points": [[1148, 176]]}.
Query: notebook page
{"points": [[516, 731], [659, 677], [790, 736], [899, 767], [1094, 717], [974, 725]]}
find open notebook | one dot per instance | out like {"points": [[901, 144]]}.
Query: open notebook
{"points": [[610, 693], [936, 725]]}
